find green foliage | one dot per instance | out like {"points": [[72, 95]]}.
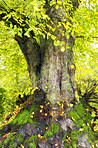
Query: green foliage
{"points": [[13, 74], [86, 51], [0, 144], [48, 134], [86, 76], [2, 98], [20, 137], [78, 116], [33, 145], [11, 140], [53, 129], [23, 118], [82, 120], [33, 140]]}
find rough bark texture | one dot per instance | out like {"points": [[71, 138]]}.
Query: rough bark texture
{"points": [[56, 73], [31, 51], [49, 66]]}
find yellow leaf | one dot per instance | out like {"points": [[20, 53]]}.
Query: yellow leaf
{"points": [[93, 146], [87, 110], [62, 113], [32, 113], [22, 146], [59, 24], [58, 103], [76, 95], [67, 36], [56, 144], [31, 116], [81, 129], [59, 2], [63, 49], [62, 33], [32, 3], [41, 111], [46, 87], [41, 106], [67, 46], [72, 66], [63, 42], [71, 105], [39, 136], [73, 119], [92, 121], [57, 6], [95, 128], [11, 25]]}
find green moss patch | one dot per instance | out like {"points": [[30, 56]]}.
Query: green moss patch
{"points": [[82, 120], [54, 128]]}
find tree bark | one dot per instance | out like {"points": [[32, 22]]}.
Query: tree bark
{"points": [[57, 74]]}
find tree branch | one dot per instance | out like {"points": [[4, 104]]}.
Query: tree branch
{"points": [[84, 36]]}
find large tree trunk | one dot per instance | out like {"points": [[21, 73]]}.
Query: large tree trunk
{"points": [[50, 68], [56, 72]]}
